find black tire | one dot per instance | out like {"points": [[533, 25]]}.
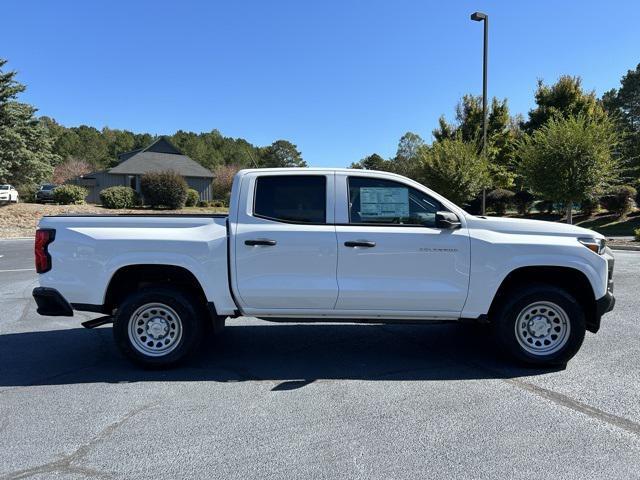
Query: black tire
{"points": [[189, 319], [523, 301]]}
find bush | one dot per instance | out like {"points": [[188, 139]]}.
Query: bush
{"points": [[589, 206], [164, 189], [27, 193], [211, 204], [636, 234], [499, 199], [523, 201], [544, 206], [69, 194], [619, 200], [119, 197], [474, 207], [192, 198]]}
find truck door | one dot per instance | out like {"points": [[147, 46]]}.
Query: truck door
{"points": [[391, 256], [285, 247]]}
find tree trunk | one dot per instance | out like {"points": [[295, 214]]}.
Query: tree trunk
{"points": [[569, 213]]}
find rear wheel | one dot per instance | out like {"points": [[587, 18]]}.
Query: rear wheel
{"points": [[157, 327], [540, 325]]}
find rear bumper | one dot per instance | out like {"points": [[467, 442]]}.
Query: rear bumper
{"points": [[51, 303]]}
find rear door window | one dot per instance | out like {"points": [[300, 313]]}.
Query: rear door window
{"points": [[291, 198]]}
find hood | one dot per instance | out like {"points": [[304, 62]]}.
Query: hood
{"points": [[530, 227]]}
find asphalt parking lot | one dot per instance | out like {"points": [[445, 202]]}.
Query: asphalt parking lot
{"points": [[313, 401]]}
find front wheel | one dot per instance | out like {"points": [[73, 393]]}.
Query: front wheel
{"points": [[157, 327], [540, 325]]}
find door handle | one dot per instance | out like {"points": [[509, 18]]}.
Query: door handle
{"points": [[360, 243], [265, 242]]}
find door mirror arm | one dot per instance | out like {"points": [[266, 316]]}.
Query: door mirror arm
{"points": [[447, 220]]}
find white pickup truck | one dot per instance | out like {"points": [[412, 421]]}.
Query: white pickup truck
{"points": [[325, 245]]}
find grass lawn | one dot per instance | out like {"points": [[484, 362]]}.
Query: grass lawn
{"points": [[604, 222], [21, 220]]}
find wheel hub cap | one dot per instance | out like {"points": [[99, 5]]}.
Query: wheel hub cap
{"points": [[542, 328], [155, 329], [539, 326]]}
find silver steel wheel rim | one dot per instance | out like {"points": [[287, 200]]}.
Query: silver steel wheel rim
{"points": [[155, 329], [542, 328]]}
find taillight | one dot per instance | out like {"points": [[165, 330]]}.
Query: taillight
{"points": [[44, 236]]}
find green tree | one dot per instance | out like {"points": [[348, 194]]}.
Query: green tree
{"points": [[281, 153], [623, 105], [564, 98], [502, 134], [569, 159], [372, 162], [407, 159], [26, 156], [453, 168]]}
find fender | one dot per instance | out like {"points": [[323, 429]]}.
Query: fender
{"points": [[490, 266]]}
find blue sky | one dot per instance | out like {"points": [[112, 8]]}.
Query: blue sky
{"points": [[341, 79]]}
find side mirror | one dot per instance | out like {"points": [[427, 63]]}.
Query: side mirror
{"points": [[447, 220]]}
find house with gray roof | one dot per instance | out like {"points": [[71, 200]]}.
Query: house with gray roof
{"points": [[159, 156]]}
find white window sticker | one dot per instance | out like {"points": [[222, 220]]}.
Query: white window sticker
{"points": [[380, 202]]}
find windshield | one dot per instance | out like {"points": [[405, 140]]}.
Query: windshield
{"points": [[4, 187], [47, 187]]}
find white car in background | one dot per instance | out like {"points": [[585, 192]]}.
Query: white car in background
{"points": [[8, 194]]}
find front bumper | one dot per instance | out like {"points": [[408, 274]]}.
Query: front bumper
{"points": [[51, 302], [605, 304]]}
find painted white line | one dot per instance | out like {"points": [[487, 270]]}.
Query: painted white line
{"points": [[19, 270]]}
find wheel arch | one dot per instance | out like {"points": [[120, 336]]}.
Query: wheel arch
{"points": [[130, 278], [570, 279]]}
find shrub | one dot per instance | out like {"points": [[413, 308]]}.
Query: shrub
{"points": [[27, 192], [164, 189], [589, 206], [544, 206], [69, 194], [636, 234], [192, 198], [474, 207], [619, 200], [119, 197], [523, 201], [499, 199]]}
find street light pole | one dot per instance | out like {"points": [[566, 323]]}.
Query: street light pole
{"points": [[483, 17]]}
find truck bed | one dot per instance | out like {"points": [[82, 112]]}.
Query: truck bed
{"points": [[89, 249]]}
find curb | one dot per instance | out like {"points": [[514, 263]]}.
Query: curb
{"points": [[626, 248]]}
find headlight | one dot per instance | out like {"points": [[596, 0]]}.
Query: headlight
{"points": [[596, 245]]}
